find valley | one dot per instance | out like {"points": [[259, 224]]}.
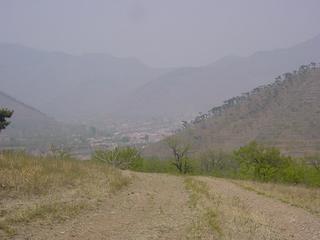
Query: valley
{"points": [[168, 120]]}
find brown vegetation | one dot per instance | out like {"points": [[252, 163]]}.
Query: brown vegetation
{"points": [[50, 189]]}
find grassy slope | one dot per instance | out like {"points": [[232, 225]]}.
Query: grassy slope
{"points": [[298, 196], [43, 191], [35, 189]]}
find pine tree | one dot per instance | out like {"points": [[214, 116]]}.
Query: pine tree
{"points": [[4, 114]]}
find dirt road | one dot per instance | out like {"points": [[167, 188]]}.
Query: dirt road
{"points": [[158, 206]]}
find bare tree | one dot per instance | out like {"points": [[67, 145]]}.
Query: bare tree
{"points": [[180, 151]]}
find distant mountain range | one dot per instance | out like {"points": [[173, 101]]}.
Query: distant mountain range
{"points": [[285, 114], [70, 87], [187, 91], [96, 86]]}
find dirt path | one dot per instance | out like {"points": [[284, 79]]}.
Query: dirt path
{"points": [[157, 206], [279, 220], [153, 207]]}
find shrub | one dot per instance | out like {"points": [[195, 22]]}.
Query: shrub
{"points": [[123, 158], [260, 162], [155, 165], [293, 173]]}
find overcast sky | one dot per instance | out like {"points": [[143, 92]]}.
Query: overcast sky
{"points": [[160, 32]]}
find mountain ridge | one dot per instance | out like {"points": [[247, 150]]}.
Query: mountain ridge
{"points": [[56, 82], [173, 93], [83, 87]]}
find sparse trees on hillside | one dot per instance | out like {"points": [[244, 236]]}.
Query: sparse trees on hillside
{"points": [[303, 69], [278, 78], [4, 114], [281, 82], [180, 151], [288, 76], [313, 65], [185, 124]]}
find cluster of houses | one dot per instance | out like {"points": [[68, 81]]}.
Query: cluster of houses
{"points": [[125, 138]]}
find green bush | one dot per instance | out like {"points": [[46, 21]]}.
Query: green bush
{"points": [[260, 162], [292, 173], [155, 165], [123, 158], [268, 164], [252, 162]]}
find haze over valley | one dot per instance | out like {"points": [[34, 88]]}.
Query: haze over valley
{"points": [[127, 97], [171, 119]]}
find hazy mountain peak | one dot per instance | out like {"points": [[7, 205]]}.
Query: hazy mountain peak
{"points": [[56, 82], [101, 82], [186, 91]]}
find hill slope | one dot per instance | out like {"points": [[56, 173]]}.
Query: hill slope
{"points": [[285, 114], [31, 127], [186, 91], [25, 118]]}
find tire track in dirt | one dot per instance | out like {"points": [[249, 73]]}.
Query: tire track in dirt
{"points": [[154, 206], [157, 206], [285, 221]]}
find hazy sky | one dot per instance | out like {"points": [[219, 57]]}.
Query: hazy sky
{"points": [[159, 32]]}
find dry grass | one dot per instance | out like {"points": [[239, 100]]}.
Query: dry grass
{"points": [[298, 196], [196, 190], [206, 224], [50, 189], [220, 217], [243, 222]]}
